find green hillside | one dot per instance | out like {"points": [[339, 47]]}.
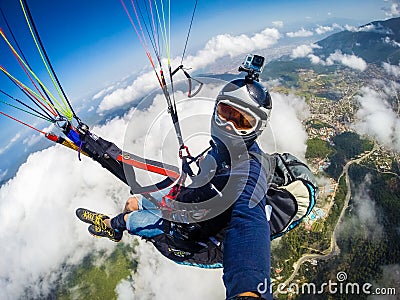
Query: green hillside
{"points": [[97, 281], [374, 46]]}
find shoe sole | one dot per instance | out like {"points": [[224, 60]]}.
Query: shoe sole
{"points": [[93, 232], [80, 211]]}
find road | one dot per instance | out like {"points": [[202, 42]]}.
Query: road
{"points": [[333, 248]]}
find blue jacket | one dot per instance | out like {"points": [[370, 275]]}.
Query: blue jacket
{"points": [[240, 216]]}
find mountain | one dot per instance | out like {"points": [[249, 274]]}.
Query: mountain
{"points": [[375, 42]]}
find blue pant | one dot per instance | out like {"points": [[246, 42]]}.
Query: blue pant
{"points": [[145, 222]]}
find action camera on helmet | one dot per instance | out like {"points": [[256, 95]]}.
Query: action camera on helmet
{"points": [[253, 64]]}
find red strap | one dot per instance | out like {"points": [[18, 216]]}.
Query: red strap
{"points": [[148, 167], [173, 192], [4, 114]]}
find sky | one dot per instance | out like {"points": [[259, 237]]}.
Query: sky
{"points": [[92, 44], [102, 66]]}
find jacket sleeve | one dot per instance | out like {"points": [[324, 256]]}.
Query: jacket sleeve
{"points": [[247, 244]]}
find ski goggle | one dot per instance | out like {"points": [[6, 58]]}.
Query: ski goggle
{"points": [[242, 121]]}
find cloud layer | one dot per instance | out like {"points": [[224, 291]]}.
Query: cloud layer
{"points": [[286, 133], [13, 140], [391, 69], [216, 48], [351, 61], [348, 60], [304, 50], [39, 232], [157, 278], [300, 33], [393, 10], [377, 119], [364, 219]]}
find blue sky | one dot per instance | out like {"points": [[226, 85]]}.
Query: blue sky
{"points": [[92, 44], [85, 38]]}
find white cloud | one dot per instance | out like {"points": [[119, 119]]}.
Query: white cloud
{"points": [[300, 33], [377, 119], [35, 138], [351, 61], [288, 133], [316, 59], [103, 92], [324, 29], [277, 24], [13, 140], [390, 88], [366, 211], [226, 44], [141, 86], [303, 50], [193, 283], [3, 173], [391, 42], [393, 10], [392, 69], [32, 139], [378, 28], [364, 217], [39, 231], [216, 48], [351, 28], [125, 290]]}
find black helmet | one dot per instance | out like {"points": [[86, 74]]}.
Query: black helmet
{"points": [[241, 112]]}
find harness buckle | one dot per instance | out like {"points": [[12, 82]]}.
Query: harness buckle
{"points": [[186, 148]]}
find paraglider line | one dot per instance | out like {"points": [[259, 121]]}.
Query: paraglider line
{"points": [[53, 74], [190, 28], [141, 41], [155, 28], [29, 91], [25, 67], [28, 112], [22, 53], [30, 98], [149, 33], [19, 121]]}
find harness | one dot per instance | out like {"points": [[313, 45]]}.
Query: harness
{"points": [[185, 225]]}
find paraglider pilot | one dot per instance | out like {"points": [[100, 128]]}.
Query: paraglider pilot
{"points": [[228, 224]]}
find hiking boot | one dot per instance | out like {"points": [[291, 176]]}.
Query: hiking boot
{"points": [[246, 298], [104, 231], [90, 217]]}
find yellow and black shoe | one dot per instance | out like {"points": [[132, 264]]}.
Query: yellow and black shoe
{"points": [[104, 231], [90, 217]]}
